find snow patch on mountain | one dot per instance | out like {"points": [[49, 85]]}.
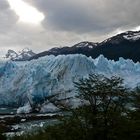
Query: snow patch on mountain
{"points": [[133, 36], [86, 44]]}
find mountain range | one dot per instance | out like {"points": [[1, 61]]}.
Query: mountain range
{"points": [[126, 45]]}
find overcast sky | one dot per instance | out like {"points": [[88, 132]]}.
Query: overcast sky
{"points": [[63, 22]]}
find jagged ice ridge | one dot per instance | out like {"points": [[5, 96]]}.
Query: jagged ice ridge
{"points": [[24, 82]]}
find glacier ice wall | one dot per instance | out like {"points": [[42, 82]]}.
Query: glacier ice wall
{"points": [[21, 82]]}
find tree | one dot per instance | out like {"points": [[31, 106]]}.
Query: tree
{"points": [[134, 115], [106, 99]]}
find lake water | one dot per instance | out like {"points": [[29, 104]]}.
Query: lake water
{"points": [[27, 123], [4, 111]]}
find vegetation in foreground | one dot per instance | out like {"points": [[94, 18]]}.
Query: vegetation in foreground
{"points": [[109, 111]]}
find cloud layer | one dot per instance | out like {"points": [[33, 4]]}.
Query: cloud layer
{"points": [[67, 22], [89, 15]]}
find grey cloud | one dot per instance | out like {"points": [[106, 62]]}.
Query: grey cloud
{"points": [[4, 5], [67, 22], [84, 16], [7, 17]]}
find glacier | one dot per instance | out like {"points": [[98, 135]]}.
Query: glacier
{"points": [[31, 82]]}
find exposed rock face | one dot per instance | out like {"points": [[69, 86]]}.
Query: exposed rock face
{"points": [[23, 55]]}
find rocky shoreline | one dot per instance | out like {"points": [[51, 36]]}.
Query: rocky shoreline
{"points": [[7, 120]]}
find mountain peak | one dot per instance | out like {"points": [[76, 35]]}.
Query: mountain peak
{"points": [[129, 35], [22, 55], [11, 54], [86, 44]]}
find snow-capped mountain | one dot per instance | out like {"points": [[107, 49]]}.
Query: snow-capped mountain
{"points": [[126, 45], [32, 81], [23, 55], [85, 45], [129, 35]]}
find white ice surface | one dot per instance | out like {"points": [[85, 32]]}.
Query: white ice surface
{"points": [[24, 82]]}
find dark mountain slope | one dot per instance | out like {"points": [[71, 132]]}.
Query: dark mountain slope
{"points": [[126, 45]]}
